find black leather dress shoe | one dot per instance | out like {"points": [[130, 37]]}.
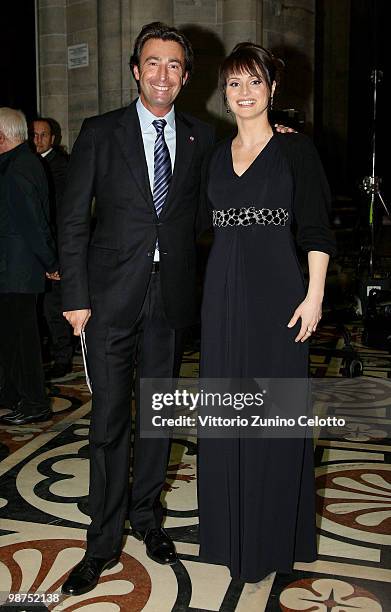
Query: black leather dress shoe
{"points": [[16, 417], [160, 547], [12, 413], [85, 575]]}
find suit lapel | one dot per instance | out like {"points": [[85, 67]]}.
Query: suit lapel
{"points": [[128, 134], [185, 143]]}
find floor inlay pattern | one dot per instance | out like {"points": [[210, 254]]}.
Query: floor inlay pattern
{"points": [[44, 510]]}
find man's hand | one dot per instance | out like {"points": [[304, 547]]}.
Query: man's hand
{"points": [[283, 129], [55, 276], [78, 319]]}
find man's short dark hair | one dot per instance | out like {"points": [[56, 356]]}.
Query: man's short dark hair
{"points": [[161, 31]]}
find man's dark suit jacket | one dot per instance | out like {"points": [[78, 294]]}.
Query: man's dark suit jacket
{"points": [[56, 165], [110, 272], [27, 248]]}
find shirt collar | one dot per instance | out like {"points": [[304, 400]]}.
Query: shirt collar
{"points": [[146, 117], [47, 152]]}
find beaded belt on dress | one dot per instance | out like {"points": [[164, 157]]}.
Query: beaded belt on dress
{"points": [[250, 216]]}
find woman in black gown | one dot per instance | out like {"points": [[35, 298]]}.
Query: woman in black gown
{"points": [[256, 496]]}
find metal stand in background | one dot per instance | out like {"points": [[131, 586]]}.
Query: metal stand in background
{"points": [[371, 184]]}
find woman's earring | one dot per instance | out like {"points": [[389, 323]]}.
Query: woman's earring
{"points": [[227, 108], [271, 102]]}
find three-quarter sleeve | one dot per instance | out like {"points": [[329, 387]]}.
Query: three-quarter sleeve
{"points": [[204, 213], [312, 198]]}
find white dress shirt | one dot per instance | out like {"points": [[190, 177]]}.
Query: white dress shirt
{"points": [[148, 134], [47, 152]]}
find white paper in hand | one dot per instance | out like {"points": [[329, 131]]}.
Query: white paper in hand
{"points": [[84, 353]]}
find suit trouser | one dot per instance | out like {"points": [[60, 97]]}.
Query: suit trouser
{"points": [[20, 353], [60, 330], [155, 349]]}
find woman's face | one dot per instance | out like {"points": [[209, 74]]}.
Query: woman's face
{"points": [[247, 94]]}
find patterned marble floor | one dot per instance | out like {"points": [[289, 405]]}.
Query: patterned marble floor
{"points": [[44, 512]]}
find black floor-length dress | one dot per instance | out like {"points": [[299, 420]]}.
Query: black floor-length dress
{"points": [[256, 496]]}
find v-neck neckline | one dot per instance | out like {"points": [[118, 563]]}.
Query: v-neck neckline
{"points": [[239, 176]]}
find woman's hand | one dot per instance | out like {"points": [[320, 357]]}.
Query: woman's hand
{"points": [[310, 311]]}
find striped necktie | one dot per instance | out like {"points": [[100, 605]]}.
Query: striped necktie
{"points": [[162, 166]]}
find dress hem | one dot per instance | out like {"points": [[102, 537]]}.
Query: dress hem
{"points": [[263, 574]]}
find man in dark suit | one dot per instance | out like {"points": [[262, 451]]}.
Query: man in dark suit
{"points": [[133, 282], [55, 163], [27, 251]]}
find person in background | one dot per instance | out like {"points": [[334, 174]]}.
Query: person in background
{"points": [[55, 163], [27, 252]]}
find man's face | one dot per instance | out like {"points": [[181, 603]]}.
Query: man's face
{"points": [[43, 137], [6, 144], [161, 74]]}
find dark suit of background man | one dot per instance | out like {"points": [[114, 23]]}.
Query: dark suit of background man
{"points": [[27, 251], [139, 297], [56, 164]]}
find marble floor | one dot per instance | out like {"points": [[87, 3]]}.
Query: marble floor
{"points": [[44, 511]]}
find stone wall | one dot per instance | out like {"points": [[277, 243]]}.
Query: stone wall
{"points": [[214, 27], [53, 72], [289, 30]]}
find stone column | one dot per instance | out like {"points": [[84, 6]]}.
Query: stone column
{"points": [[52, 46], [201, 22], [109, 54], [289, 30], [126, 47], [82, 27], [113, 54], [240, 21]]}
